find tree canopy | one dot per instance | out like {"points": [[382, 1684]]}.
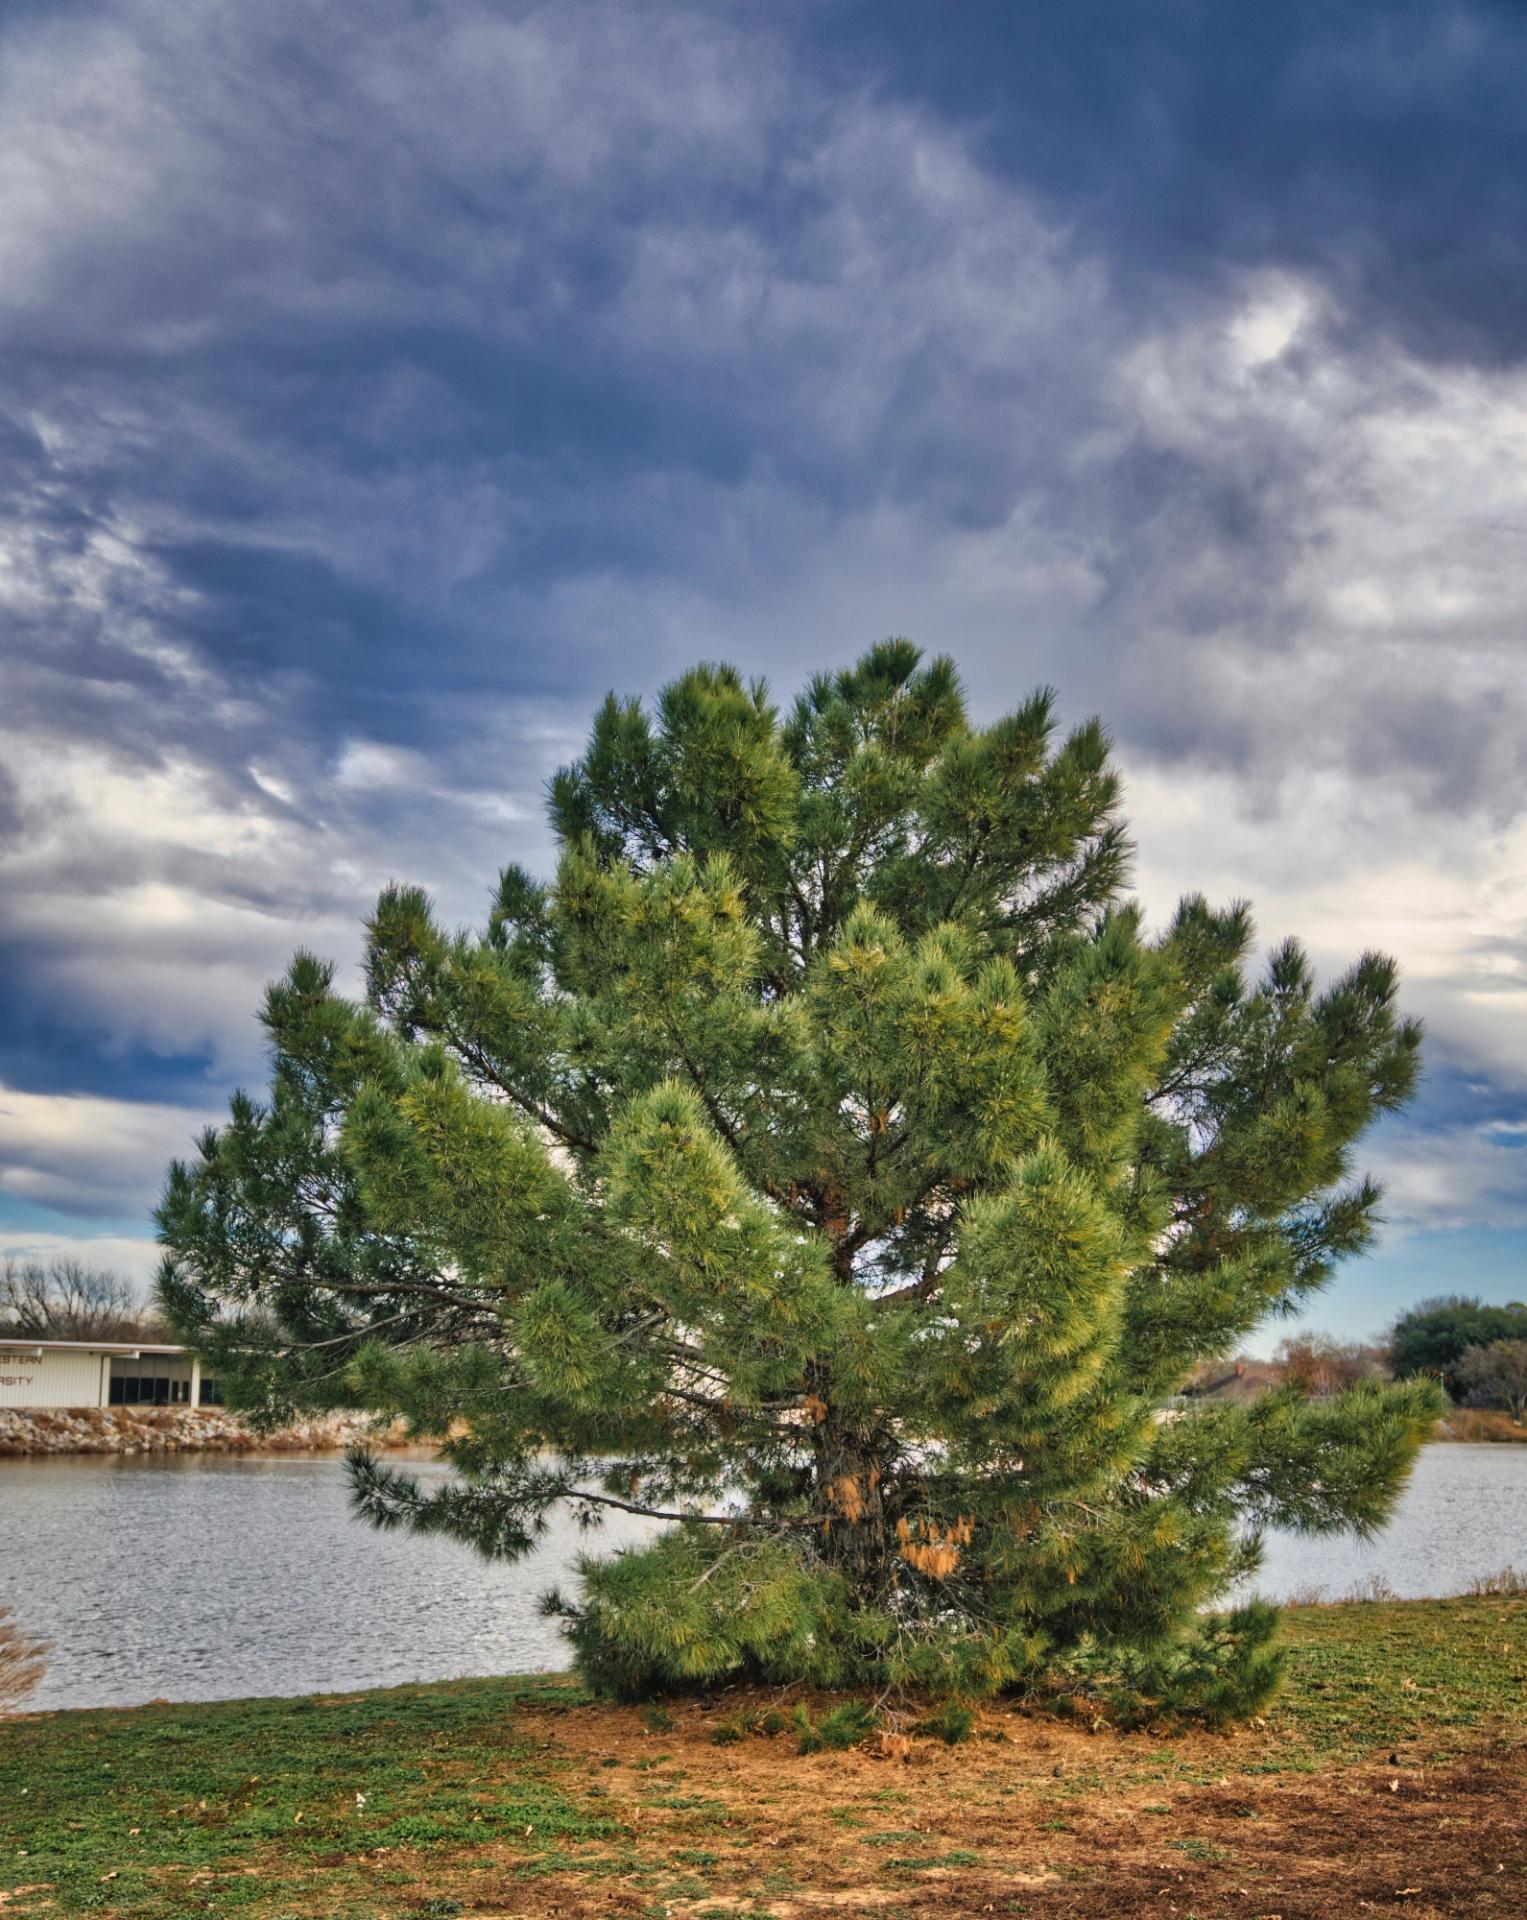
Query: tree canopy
{"points": [[1433, 1337], [827, 1164], [1496, 1375]]}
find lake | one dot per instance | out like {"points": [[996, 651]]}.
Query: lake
{"points": [[209, 1576]]}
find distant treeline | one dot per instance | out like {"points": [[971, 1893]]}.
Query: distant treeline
{"points": [[64, 1299], [1478, 1352]]}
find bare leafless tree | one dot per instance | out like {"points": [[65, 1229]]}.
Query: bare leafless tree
{"points": [[1496, 1376], [63, 1299], [1320, 1366], [23, 1661]]}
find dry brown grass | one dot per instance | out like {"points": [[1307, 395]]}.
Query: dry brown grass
{"points": [[23, 1662], [1484, 1423], [1507, 1584]]}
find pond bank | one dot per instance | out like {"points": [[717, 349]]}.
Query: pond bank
{"points": [[140, 1430], [1387, 1777], [1474, 1426]]}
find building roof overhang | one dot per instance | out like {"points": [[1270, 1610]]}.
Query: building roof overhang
{"points": [[118, 1349]]}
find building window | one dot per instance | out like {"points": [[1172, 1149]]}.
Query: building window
{"points": [[154, 1380]]}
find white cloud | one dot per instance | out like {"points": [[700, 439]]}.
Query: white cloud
{"points": [[152, 902], [367, 765], [1349, 591], [1463, 1177], [137, 1259], [1275, 311], [88, 1154], [1345, 866]]}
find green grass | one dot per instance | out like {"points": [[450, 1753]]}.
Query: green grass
{"points": [[1367, 1675], [253, 1806], [392, 1805], [921, 1862]]}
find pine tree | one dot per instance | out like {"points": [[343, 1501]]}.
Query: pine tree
{"points": [[827, 1164]]}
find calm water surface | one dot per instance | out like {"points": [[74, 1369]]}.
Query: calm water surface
{"points": [[1462, 1517], [209, 1576], [213, 1576]]}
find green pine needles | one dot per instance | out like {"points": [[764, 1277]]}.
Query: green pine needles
{"points": [[827, 1164]]}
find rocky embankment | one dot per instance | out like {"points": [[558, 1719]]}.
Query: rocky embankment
{"points": [[128, 1430]]}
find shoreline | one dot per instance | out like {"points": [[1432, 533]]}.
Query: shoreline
{"points": [[45, 1432], [1472, 1427]]}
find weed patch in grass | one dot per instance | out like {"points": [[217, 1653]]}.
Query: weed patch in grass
{"points": [[924, 1862]]}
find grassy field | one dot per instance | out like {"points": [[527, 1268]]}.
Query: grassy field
{"points": [[1388, 1779]]}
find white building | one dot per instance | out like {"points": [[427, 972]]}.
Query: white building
{"points": [[100, 1373]]}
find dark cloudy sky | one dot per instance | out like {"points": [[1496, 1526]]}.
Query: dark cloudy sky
{"points": [[379, 385]]}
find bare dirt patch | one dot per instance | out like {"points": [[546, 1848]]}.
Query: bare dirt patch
{"points": [[1038, 1820]]}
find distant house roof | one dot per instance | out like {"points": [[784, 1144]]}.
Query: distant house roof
{"points": [[1240, 1380], [124, 1349]]}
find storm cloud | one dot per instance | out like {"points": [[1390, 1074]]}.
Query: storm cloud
{"points": [[375, 391]]}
